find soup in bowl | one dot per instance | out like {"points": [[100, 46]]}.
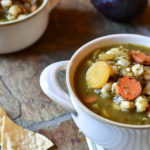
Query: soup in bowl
{"points": [[107, 81], [114, 82]]}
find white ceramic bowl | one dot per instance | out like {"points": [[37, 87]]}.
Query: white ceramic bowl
{"points": [[19, 34], [109, 134]]}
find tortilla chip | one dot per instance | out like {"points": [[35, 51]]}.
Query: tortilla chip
{"points": [[15, 137], [2, 113]]}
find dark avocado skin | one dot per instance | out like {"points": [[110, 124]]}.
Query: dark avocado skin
{"points": [[121, 10]]}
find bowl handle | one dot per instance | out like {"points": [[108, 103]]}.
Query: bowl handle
{"points": [[51, 87], [51, 4]]}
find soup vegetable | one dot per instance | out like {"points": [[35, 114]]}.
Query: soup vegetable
{"points": [[17, 9], [114, 82]]}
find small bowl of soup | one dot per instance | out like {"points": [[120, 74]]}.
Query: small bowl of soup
{"points": [[22, 22], [108, 80]]}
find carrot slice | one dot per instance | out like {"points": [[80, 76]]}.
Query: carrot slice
{"points": [[129, 88], [90, 99], [140, 57]]}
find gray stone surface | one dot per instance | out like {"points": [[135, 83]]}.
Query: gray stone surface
{"points": [[72, 24]]}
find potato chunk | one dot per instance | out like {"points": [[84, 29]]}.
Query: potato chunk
{"points": [[126, 105], [137, 69], [141, 104], [14, 10], [6, 3], [106, 90], [113, 88]]}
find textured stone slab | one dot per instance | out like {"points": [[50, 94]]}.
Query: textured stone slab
{"points": [[66, 136], [20, 89]]}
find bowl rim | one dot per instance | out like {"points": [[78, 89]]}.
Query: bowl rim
{"points": [[76, 100], [42, 6]]}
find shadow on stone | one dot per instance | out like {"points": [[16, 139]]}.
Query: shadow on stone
{"points": [[53, 148]]}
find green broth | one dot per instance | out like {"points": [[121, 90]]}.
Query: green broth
{"points": [[103, 107]]}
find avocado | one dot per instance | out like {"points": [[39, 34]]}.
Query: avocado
{"points": [[120, 10]]}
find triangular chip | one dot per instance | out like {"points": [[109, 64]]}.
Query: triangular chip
{"points": [[2, 113], [15, 137]]}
